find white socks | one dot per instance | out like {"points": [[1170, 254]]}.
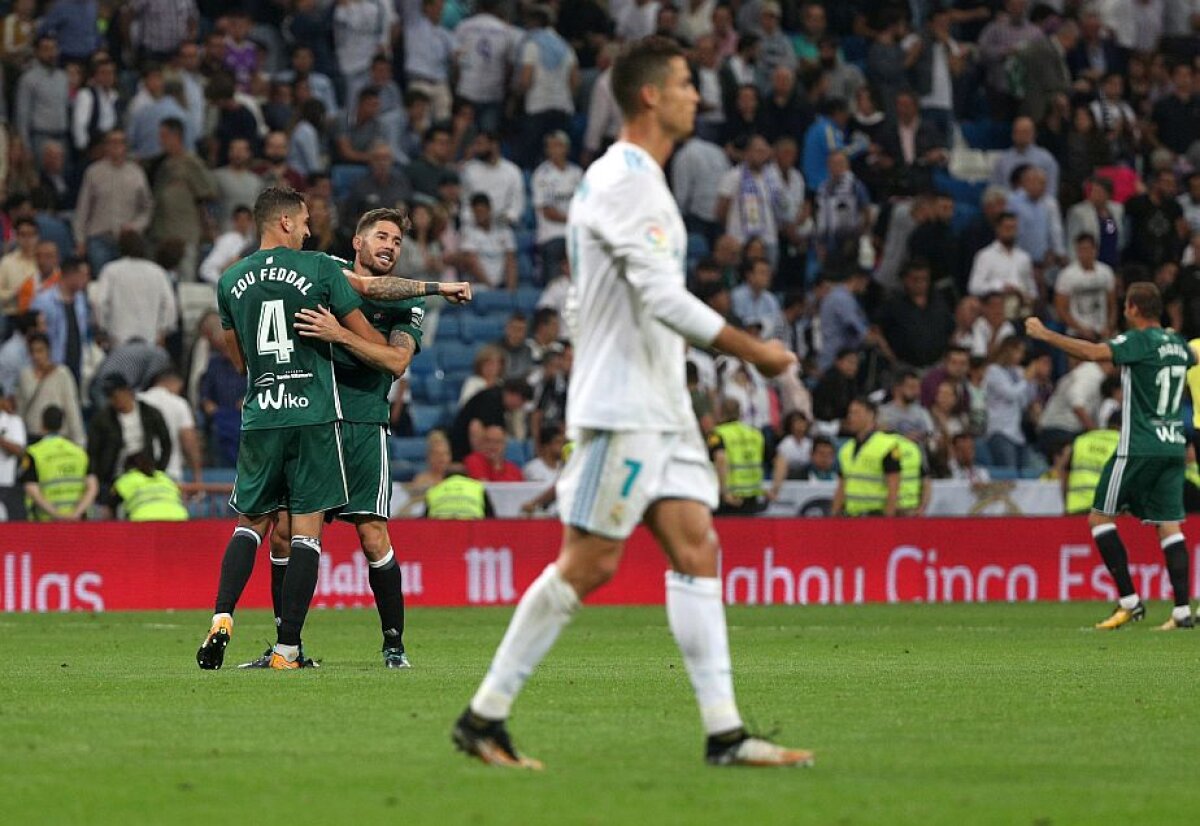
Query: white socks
{"points": [[544, 610], [1130, 602], [696, 615]]}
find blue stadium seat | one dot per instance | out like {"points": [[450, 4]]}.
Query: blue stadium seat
{"points": [[425, 364], [963, 192], [409, 449], [452, 356], [1003, 474], [526, 299], [525, 271], [518, 452], [484, 330], [421, 389], [492, 301], [986, 133], [449, 326], [426, 417], [343, 177]]}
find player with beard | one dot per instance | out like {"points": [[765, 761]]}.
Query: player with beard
{"points": [[368, 367], [365, 375]]}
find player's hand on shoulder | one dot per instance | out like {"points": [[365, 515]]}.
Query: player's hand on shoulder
{"points": [[1035, 329], [319, 324], [774, 358]]}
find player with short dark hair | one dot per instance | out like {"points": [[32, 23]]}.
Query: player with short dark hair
{"points": [[364, 376], [1146, 475], [290, 418], [639, 455]]}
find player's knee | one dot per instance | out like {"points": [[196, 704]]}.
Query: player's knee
{"points": [[374, 539], [281, 546], [1095, 520]]}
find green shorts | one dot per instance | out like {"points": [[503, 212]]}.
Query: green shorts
{"points": [[1149, 487], [298, 469], [368, 471]]}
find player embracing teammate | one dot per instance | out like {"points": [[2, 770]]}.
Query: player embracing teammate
{"points": [[315, 362]]}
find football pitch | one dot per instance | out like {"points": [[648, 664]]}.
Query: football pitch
{"points": [[918, 714]]}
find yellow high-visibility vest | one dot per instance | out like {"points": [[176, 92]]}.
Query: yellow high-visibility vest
{"points": [[150, 498], [62, 468], [744, 452], [457, 497], [910, 474], [862, 469], [1090, 452]]}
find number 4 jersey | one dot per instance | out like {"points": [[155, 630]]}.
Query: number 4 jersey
{"points": [[291, 381], [1154, 364]]}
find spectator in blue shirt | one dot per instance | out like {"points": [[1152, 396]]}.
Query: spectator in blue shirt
{"points": [[64, 307], [73, 24], [826, 135]]}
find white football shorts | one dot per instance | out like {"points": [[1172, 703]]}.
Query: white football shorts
{"points": [[613, 476]]}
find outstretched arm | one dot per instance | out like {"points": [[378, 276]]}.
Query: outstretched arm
{"points": [[390, 288], [1077, 347]]}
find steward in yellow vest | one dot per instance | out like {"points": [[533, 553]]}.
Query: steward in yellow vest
{"points": [[869, 473], [458, 497], [1090, 452], [914, 481], [738, 452], [148, 494], [58, 484]]}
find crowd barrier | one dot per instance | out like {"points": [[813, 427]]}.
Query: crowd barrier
{"points": [[123, 566]]}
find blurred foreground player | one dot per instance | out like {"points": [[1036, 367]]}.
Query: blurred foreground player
{"points": [[1145, 477], [639, 454]]}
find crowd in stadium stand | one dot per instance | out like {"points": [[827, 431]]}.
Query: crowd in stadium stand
{"points": [[889, 186]]}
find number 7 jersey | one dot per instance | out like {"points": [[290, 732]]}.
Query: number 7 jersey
{"points": [[1154, 364], [290, 381]]}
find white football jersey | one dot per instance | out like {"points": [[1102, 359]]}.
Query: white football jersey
{"points": [[629, 311]]}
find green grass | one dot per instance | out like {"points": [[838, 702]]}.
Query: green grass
{"points": [[919, 714]]}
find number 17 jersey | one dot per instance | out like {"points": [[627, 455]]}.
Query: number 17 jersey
{"points": [[1154, 364], [290, 381]]}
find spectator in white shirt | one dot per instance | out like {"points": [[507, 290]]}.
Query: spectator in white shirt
{"points": [[1085, 294], [166, 396], [429, 56], [750, 196], [1003, 267], [133, 297], [94, 110], [962, 461], [484, 43], [12, 438], [554, 182], [496, 177], [1072, 408], [710, 116], [361, 30], [229, 246], [548, 77], [990, 327], [637, 20], [603, 117], [489, 251]]}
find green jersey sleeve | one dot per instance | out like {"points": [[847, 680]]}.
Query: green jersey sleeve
{"points": [[1131, 347], [223, 309], [343, 300], [414, 324]]}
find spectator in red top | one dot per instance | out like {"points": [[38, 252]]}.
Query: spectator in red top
{"points": [[488, 463]]}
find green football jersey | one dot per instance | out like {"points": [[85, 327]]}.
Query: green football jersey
{"points": [[364, 389], [1154, 364], [290, 380]]}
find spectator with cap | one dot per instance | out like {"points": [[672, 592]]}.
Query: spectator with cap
{"points": [[45, 383], [122, 427]]}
